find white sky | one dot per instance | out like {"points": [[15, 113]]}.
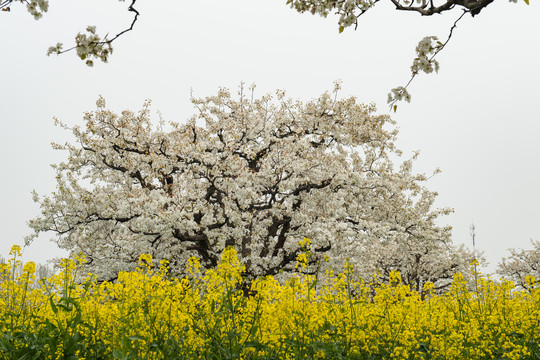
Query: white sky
{"points": [[477, 119]]}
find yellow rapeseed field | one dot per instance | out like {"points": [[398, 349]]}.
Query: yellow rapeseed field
{"points": [[218, 314]]}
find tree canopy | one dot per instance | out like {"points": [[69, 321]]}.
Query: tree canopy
{"points": [[259, 174]]}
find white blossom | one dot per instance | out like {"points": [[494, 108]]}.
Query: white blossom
{"points": [[425, 50], [398, 94], [37, 8]]}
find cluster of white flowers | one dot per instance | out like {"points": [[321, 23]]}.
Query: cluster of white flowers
{"points": [[87, 46], [37, 8], [55, 49], [398, 94], [91, 45], [260, 175], [100, 102], [348, 10], [426, 48]]}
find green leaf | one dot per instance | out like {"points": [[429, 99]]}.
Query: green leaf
{"points": [[136, 337], [254, 344], [527, 2], [341, 28], [8, 336], [53, 305]]}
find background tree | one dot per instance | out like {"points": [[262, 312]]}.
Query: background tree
{"points": [[419, 261], [43, 271], [257, 174], [520, 264]]}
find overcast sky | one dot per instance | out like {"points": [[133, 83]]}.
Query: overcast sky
{"points": [[477, 119]]}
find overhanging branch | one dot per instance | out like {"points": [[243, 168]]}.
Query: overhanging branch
{"points": [[106, 41]]}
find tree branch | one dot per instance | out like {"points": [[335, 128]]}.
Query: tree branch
{"points": [[402, 91], [97, 47]]}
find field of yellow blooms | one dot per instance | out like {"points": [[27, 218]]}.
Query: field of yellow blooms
{"points": [[146, 314]]}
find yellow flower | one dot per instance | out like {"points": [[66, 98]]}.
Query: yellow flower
{"points": [[428, 286], [394, 278], [29, 267], [530, 281], [301, 260], [304, 243], [15, 250], [205, 309], [145, 261]]}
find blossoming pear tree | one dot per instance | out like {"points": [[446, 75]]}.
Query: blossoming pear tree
{"points": [[521, 264], [257, 174]]}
